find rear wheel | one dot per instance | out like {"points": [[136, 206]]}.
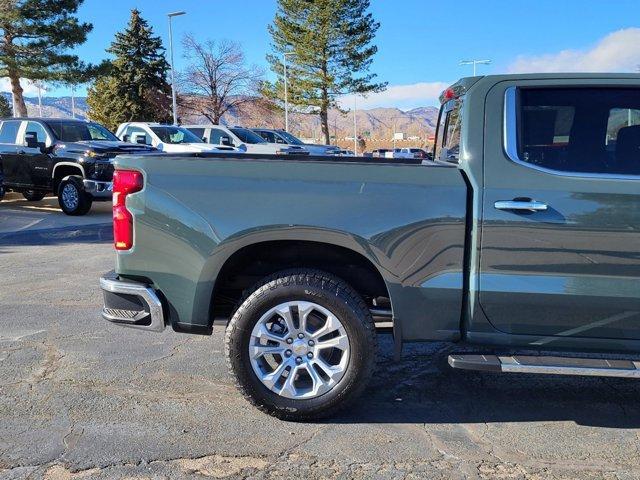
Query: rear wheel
{"points": [[72, 198], [33, 195], [301, 345]]}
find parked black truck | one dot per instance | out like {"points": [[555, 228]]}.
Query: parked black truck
{"points": [[71, 158]]}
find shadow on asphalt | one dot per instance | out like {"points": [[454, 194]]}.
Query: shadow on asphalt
{"points": [[99, 233], [422, 388]]}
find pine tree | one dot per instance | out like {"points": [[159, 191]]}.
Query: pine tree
{"points": [[329, 47], [35, 36], [136, 87], [5, 107]]}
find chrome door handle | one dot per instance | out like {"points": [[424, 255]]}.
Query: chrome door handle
{"points": [[529, 205]]}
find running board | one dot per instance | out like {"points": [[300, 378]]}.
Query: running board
{"points": [[594, 367]]}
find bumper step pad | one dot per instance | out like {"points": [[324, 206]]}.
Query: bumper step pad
{"points": [[131, 304]]}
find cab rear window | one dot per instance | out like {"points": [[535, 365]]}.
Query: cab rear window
{"points": [[447, 147]]}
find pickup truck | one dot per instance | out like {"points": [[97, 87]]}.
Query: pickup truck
{"points": [[521, 240], [71, 158]]}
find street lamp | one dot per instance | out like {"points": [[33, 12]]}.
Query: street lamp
{"points": [[355, 125], [173, 77], [474, 63], [286, 94]]}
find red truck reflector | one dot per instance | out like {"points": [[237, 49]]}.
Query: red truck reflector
{"points": [[124, 183]]}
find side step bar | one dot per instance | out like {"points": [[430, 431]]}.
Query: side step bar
{"points": [[595, 367]]}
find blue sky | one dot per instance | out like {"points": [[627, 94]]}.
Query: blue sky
{"points": [[420, 41]]}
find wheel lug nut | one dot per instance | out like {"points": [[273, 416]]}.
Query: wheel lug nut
{"points": [[301, 335], [288, 353], [311, 343], [309, 355], [289, 340], [298, 360]]}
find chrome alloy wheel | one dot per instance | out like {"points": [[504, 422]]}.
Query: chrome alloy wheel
{"points": [[70, 196], [299, 350]]}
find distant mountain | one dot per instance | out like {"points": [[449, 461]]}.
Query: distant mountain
{"points": [[57, 107], [374, 124]]}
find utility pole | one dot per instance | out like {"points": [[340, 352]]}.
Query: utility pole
{"points": [[173, 76], [286, 92], [475, 63]]}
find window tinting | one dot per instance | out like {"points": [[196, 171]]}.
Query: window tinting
{"points": [[9, 131], [175, 135], [198, 132], [580, 130], [79, 131], [247, 136]]}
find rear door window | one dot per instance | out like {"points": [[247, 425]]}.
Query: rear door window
{"points": [[580, 130], [9, 131]]}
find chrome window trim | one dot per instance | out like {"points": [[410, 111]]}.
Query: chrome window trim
{"points": [[510, 144]]}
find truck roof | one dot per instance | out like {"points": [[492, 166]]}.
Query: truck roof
{"points": [[465, 83]]}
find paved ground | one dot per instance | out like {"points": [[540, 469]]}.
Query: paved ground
{"points": [[80, 398], [16, 214]]}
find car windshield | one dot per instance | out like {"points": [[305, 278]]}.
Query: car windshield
{"points": [[247, 136], [81, 131], [290, 139], [175, 135]]}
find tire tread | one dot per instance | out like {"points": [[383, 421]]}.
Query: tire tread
{"points": [[301, 277]]}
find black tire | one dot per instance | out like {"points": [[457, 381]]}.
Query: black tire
{"points": [[322, 289], [83, 203], [33, 195]]}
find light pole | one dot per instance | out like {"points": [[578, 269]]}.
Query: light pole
{"points": [[286, 93], [173, 76], [355, 125], [474, 63]]}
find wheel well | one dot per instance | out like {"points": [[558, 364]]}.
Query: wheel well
{"points": [[61, 172], [254, 262]]}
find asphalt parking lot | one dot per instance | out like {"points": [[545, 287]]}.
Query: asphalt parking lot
{"points": [[80, 398]]}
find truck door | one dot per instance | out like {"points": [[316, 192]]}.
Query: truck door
{"points": [[16, 173], [560, 238], [38, 162]]}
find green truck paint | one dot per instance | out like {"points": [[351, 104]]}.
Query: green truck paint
{"points": [[455, 265]]}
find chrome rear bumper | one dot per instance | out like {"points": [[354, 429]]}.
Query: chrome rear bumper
{"points": [[131, 304]]}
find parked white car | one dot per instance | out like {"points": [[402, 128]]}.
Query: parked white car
{"points": [[345, 153], [283, 137], [243, 139], [166, 138], [410, 153]]}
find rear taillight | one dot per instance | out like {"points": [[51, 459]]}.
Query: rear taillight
{"points": [[124, 183]]}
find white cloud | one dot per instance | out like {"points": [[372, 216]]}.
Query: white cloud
{"points": [[617, 52], [30, 90], [400, 96]]}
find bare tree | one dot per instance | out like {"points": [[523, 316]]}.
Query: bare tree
{"points": [[217, 78]]}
